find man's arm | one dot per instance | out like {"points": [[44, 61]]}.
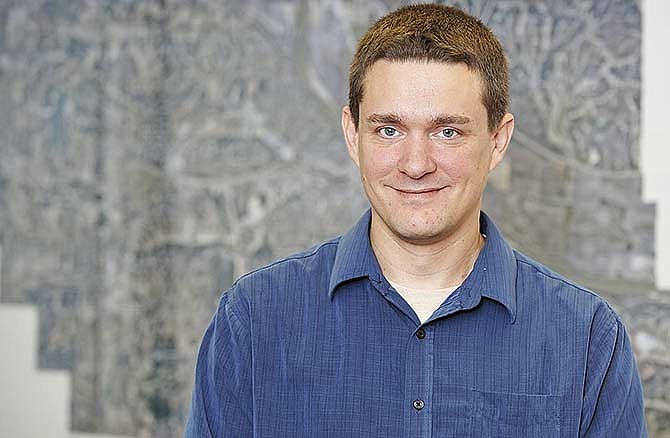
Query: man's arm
{"points": [[222, 401], [613, 400]]}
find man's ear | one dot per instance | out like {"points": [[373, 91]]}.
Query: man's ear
{"points": [[501, 138], [350, 133]]}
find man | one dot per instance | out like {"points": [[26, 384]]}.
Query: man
{"points": [[421, 320]]}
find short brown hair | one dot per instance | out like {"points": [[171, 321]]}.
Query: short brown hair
{"points": [[433, 32]]}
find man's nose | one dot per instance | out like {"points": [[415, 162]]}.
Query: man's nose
{"points": [[416, 157]]}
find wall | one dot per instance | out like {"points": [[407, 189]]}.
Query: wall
{"points": [[655, 153]]}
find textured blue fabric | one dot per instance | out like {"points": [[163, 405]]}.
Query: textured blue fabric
{"points": [[320, 345]]}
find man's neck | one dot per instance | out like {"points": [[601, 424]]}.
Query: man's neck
{"points": [[443, 264]]}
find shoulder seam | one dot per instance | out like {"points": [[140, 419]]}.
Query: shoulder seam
{"points": [[288, 259], [561, 279], [612, 314]]}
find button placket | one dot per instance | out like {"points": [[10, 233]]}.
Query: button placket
{"points": [[419, 382]]}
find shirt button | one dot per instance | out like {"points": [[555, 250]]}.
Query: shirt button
{"points": [[421, 333], [418, 404]]}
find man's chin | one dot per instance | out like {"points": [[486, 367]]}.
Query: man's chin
{"points": [[414, 225], [419, 235]]}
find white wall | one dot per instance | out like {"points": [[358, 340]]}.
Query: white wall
{"points": [[34, 403], [655, 139]]}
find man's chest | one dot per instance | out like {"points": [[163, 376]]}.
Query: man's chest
{"points": [[470, 374]]}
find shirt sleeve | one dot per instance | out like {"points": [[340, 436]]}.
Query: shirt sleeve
{"points": [[613, 401], [221, 405]]}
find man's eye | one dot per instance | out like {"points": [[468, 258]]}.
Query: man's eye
{"points": [[388, 131], [449, 133]]}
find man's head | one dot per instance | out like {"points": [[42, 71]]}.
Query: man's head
{"points": [[427, 122], [430, 32]]}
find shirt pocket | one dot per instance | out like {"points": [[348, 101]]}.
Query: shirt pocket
{"points": [[501, 414]]}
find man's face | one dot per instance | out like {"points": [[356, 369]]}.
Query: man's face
{"points": [[423, 148]]}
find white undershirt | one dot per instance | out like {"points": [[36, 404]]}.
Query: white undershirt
{"points": [[423, 301]]}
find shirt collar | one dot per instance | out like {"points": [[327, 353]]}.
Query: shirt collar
{"points": [[494, 273], [354, 257]]}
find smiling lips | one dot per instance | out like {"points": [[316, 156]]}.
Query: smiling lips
{"points": [[420, 191]]}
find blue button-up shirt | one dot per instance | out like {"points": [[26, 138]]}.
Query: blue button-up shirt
{"points": [[320, 345]]}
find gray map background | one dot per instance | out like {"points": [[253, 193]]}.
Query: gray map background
{"points": [[155, 150]]}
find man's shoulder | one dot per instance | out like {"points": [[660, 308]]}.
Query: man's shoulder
{"points": [[530, 267], [536, 280], [293, 268]]}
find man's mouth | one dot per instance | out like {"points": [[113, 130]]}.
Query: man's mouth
{"points": [[418, 191]]}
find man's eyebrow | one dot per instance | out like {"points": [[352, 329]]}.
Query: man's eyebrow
{"points": [[439, 120], [389, 118], [442, 120]]}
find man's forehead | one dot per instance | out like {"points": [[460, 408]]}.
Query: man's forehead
{"points": [[418, 62], [406, 82]]}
